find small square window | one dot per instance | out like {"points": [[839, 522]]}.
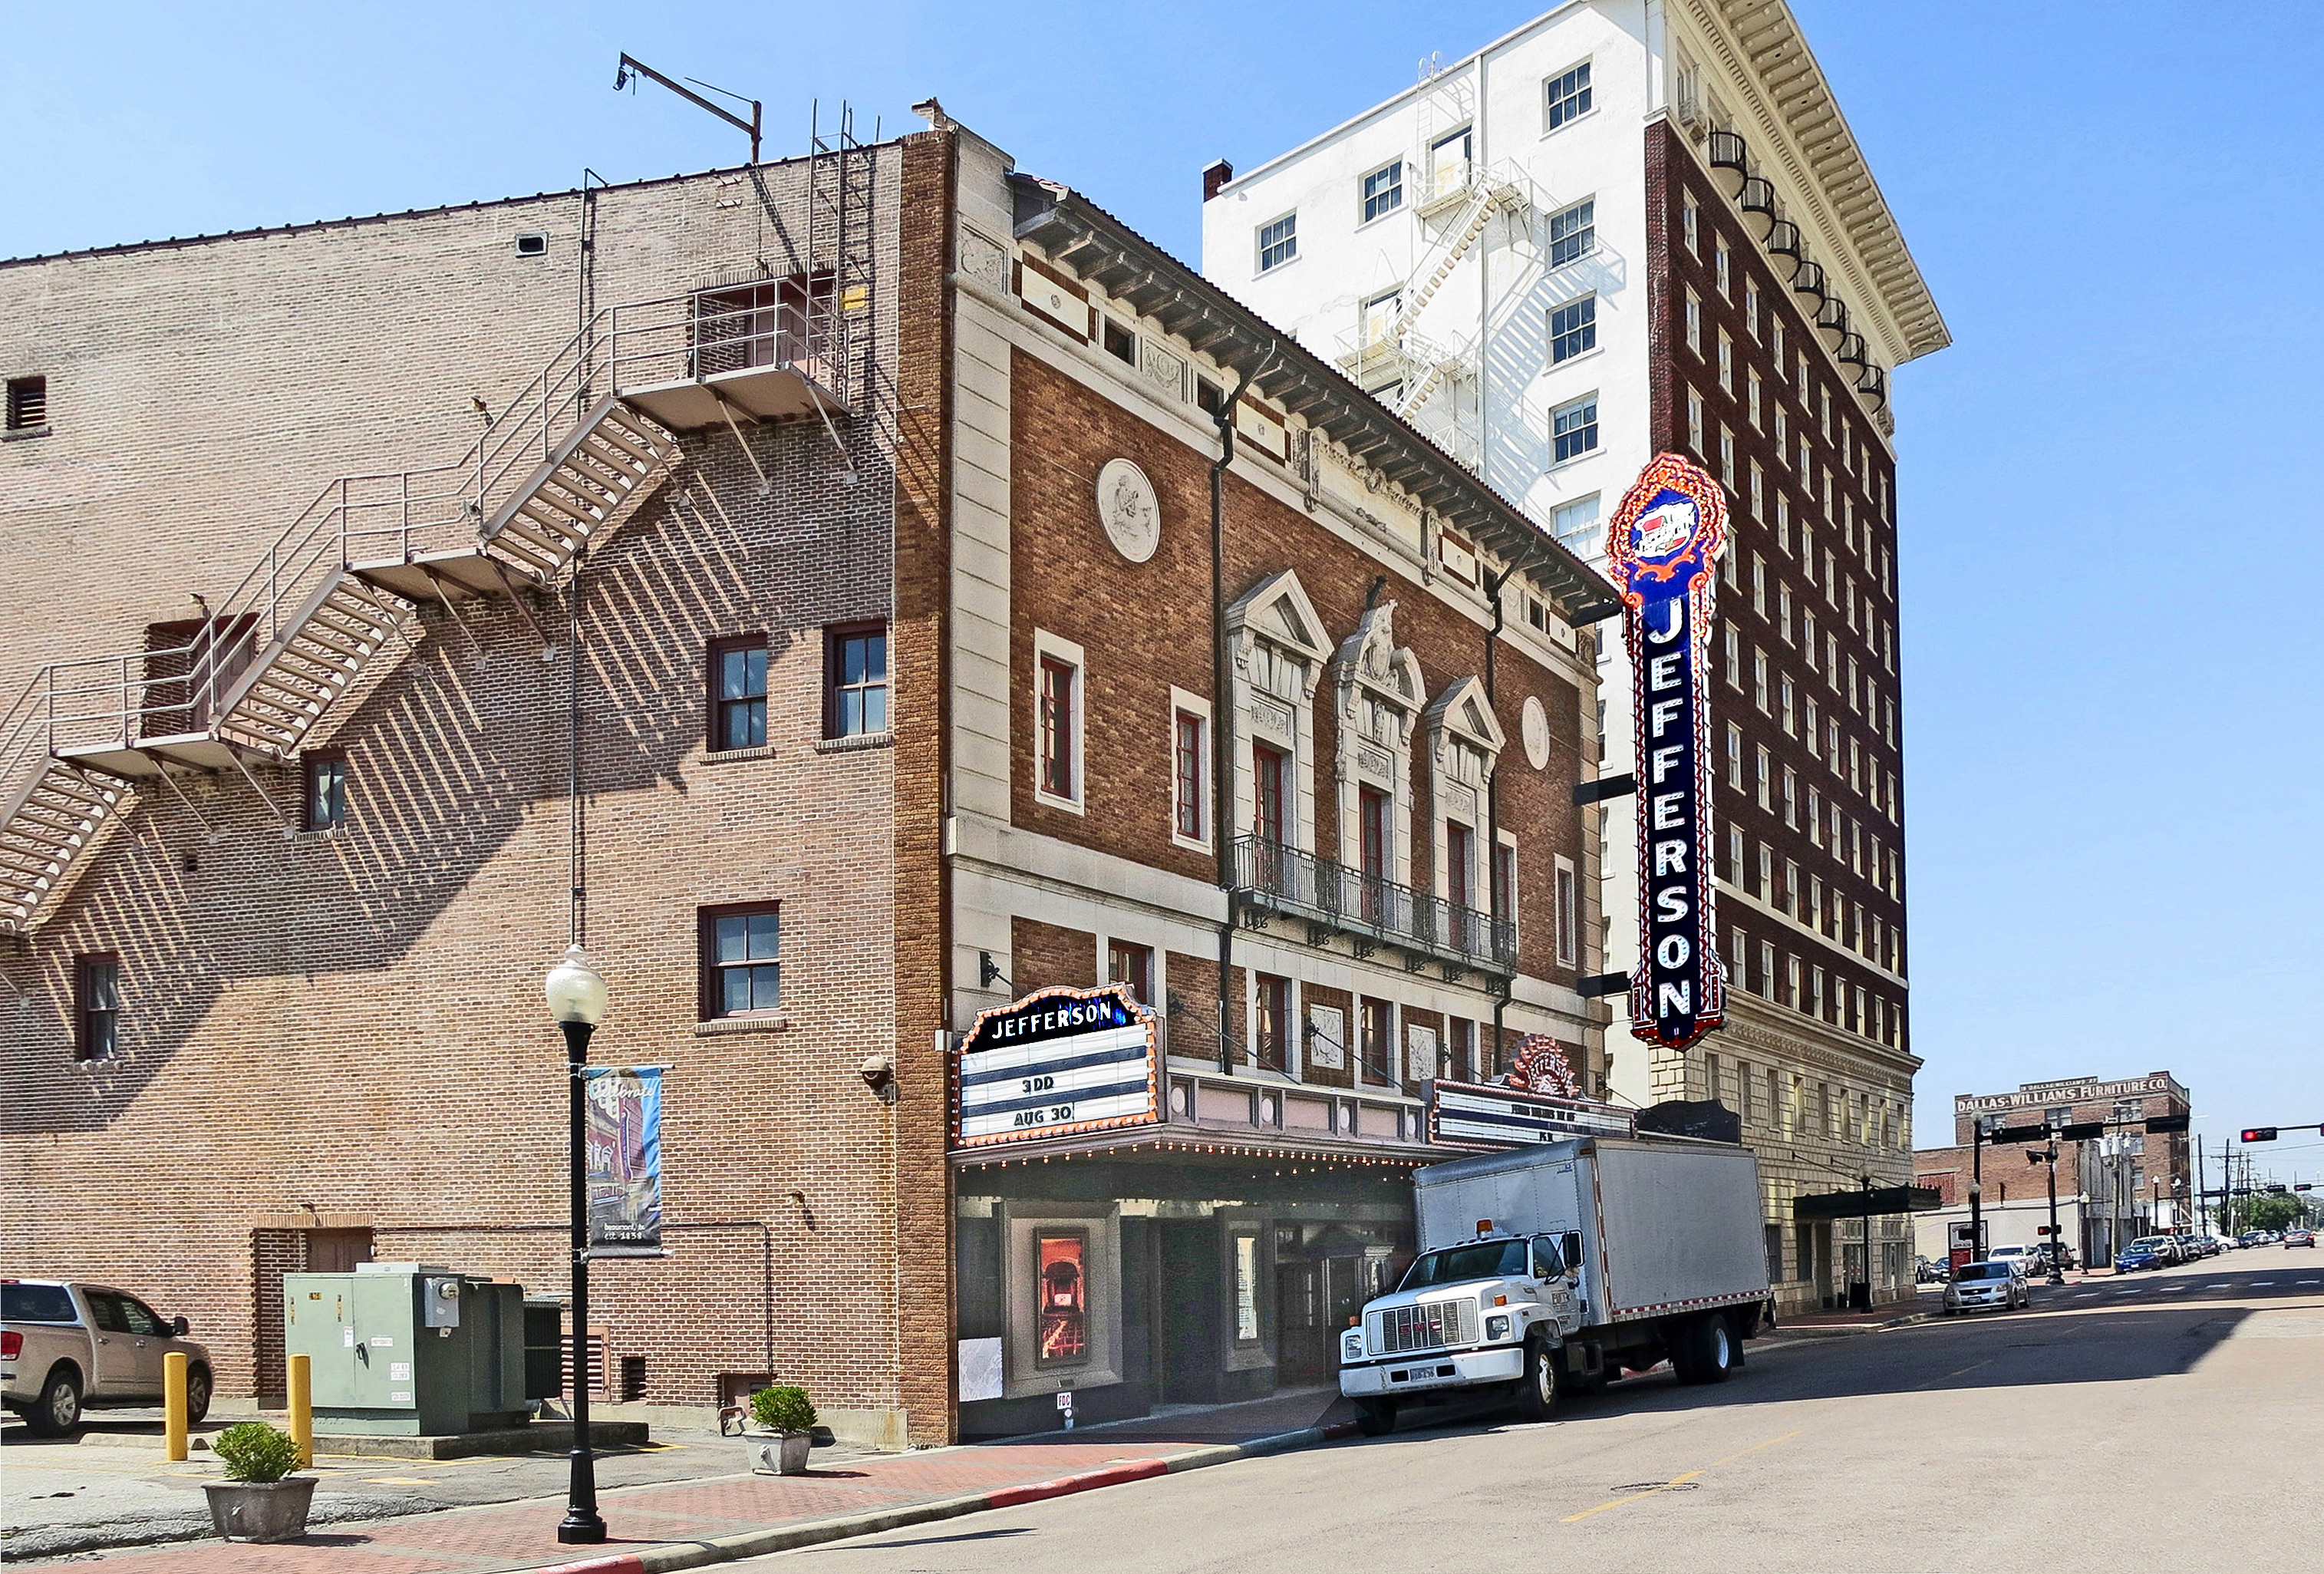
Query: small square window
{"points": [[1568, 96], [326, 790], [1384, 191], [738, 693], [1209, 397], [96, 1006], [1574, 234], [1119, 342], [28, 404], [742, 960], [1574, 429], [1279, 242], [1572, 329], [855, 681]]}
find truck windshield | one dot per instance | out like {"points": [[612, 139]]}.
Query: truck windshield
{"points": [[1485, 1260]]}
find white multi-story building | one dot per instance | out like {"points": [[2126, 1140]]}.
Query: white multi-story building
{"points": [[1633, 226]]}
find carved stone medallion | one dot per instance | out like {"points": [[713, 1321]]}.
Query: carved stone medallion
{"points": [[1126, 507], [1534, 723]]}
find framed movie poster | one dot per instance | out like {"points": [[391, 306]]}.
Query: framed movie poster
{"points": [[1061, 1295]]}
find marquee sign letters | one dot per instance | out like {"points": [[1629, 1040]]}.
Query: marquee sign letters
{"points": [[1663, 553], [1056, 1062]]}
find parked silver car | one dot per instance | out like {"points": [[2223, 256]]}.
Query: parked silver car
{"points": [[67, 1348], [1984, 1286]]}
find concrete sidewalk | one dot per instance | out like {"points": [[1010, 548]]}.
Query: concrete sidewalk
{"points": [[685, 1525]]}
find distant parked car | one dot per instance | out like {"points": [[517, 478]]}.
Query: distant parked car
{"points": [[1928, 1271], [2298, 1238], [2252, 1238], [2044, 1252], [1984, 1286], [69, 1347], [2137, 1257], [2018, 1257]]}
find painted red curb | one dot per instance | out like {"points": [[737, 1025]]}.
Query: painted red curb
{"points": [[1338, 1429], [617, 1563], [1111, 1475]]}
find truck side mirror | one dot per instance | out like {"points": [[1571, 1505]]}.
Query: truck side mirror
{"points": [[178, 1325]]}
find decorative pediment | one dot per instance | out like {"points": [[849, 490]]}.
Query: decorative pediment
{"points": [[1277, 610], [1379, 683], [1463, 713]]}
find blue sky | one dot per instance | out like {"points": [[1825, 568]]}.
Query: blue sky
{"points": [[2112, 749]]}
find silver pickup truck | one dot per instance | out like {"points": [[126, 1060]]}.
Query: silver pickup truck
{"points": [[67, 1347]]}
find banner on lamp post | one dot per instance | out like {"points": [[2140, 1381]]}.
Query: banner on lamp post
{"points": [[1663, 547], [623, 1160]]}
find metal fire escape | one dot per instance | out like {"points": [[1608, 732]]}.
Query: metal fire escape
{"points": [[557, 469]]}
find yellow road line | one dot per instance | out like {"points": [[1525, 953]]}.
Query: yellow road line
{"points": [[1682, 1481], [1949, 1376]]}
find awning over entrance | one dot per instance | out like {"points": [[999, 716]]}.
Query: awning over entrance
{"points": [[1860, 1201]]}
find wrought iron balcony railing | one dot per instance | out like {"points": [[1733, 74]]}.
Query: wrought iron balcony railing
{"points": [[1335, 898]]}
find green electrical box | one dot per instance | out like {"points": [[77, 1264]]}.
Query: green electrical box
{"points": [[407, 1350]]}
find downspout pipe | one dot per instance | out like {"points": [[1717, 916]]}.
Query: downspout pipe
{"points": [[1493, 583], [1222, 707]]}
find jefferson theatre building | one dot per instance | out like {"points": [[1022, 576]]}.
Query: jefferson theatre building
{"points": [[1078, 796]]}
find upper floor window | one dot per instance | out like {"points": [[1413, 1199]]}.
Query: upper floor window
{"points": [[1132, 965], [1574, 429], [1448, 161], [1384, 191], [1279, 242], [1270, 772], [1567, 96], [855, 681], [1574, 233], [1690, 226], [1056, 725], [1572, 329], [1576, 524], [96, 1006], [1719, 266], [1190, 764], [1568, 913], [28, 404], [742, 960], [1752, 308], [738, 693], [1694, 323], [326, 775]]}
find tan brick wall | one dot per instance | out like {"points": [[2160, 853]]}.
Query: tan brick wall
{"points": [[352, 1022]]}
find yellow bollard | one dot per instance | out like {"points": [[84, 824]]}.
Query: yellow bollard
{"points": [[303, 1408], [174, 1404]]}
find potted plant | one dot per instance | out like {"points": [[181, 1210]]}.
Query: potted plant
{"points": [[259, 1500], [783, 1410]]}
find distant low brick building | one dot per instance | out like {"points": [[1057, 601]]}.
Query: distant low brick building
{"points": [[2110, 1188], [878, 488]]}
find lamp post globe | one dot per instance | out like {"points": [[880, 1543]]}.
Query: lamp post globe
{"points": [[576, 996], [575, 990]]}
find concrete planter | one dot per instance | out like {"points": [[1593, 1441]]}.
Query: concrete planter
{"points": [[781, 1453], [261, 1511]]}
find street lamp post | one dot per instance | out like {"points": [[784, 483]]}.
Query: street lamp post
{"points": [[2057, 1272], [576, 1000]]}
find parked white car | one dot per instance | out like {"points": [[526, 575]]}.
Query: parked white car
{"points": [[70, 1347], [2020, 1259]]}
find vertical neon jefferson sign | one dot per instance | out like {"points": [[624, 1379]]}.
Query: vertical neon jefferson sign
{"points": [[1663, 552]]}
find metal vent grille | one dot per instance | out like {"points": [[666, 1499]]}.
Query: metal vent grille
{"points": [[1431, 1326]]}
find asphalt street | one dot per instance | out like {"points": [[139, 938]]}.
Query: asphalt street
{"points": [[2121, 1423]]}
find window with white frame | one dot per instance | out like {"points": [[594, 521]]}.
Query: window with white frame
{"points": [[1383, 190], [1752, 386], [1448, 162], [1377, 692], [1763, 781], [1791, 797], [1275, 635], [1575, 524], [1190, 769], [1566, 97], [1734, 755], [1690, 218], [1757, 491], [1759, 585], [1726, 362], [1574, 233], [1759, 679], [1572, 329], [1279, 242], [1734, 643], [1058, 721], [1574, 429], [1694, 323], [1569, 920], [1751, 307], [1463, 741], [1719, 268], [1727, 455], [1378, 317], [1694, 421]]}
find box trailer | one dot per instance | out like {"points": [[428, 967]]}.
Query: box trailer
{"points": [[1550, 1268]]}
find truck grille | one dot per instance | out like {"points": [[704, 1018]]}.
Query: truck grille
{"points": [[1431, 1326]]}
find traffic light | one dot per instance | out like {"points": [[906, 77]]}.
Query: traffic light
{"points": [[2044, 1230], [2303, 1185], [2167, 1123], [2259, 1134]]}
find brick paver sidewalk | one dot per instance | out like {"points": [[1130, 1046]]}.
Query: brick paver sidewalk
{"points": [[654, 1523]]}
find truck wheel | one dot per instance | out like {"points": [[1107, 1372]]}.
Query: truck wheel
{"points": [[199, 1388], [1375, 1418], [1537, 1389], [58, 1409], [1709, 1345]]}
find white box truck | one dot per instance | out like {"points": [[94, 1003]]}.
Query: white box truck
{"points": [[1548, 1269]]}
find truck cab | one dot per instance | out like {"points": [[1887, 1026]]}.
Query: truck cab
{"points": [[1486, 1310]]}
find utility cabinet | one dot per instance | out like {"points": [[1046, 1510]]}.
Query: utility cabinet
{"points": [[409, 1349]]}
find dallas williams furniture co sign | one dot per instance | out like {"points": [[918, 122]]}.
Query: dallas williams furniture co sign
{"points": [[1056, 1062], [1663, 553]]}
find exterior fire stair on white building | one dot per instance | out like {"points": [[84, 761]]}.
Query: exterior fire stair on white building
{"points": [[557, 470]]}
